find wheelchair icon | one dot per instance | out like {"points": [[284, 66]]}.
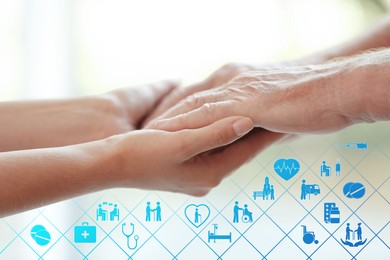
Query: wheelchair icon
{"points": [[246, 214]]}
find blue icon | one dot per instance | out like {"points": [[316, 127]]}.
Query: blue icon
{"points": [[156, 212], [287, 168], [267, 192], [338, 168], [102, 212], [354, 190], [213, 235], [331, 213], [308, 189], [354, 146], [326, 170], [358, 237], [246, 214], [197, 215], [40, 235], [85, 233], [308, 236], [129, 235]]}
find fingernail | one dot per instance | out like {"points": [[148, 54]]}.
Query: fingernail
{"points": [[243, 126]]}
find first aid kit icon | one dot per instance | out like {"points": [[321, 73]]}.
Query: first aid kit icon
{"points": [[85, 233]]}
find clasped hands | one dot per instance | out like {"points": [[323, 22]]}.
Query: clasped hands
{"points": [[199, 129]]}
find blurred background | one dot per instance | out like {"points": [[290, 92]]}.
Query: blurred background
{"points": [[62, 48], [57, 48]]}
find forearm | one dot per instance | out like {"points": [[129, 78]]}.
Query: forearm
{"points": [[364, 96], [340, 93], [33, 178], [376, 37], [49, 123], [334, 95]]}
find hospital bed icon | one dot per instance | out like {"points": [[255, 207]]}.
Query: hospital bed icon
{"points": [[213, 235]]}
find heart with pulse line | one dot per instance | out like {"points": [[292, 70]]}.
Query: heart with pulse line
{"points": [[198, 214], [287, 168]]}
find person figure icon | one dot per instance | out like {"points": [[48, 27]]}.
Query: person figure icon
{"points": [[101, 213], [114, 213], [148, 211], [272, 192], [236, 211], [338, 168], [359, 232], [325, 169], [247, 213], [197, 216], [348, 232], [303, 190], [158, 212], [266, 188]]}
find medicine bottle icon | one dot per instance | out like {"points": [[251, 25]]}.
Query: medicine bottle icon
{"points": [[331, 213], [334, 215]]}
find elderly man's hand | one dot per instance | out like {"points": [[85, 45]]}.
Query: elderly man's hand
{"points": [[216, 79], [302, 99]]}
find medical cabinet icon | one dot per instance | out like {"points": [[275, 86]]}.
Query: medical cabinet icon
{"points": [[85, 233]]}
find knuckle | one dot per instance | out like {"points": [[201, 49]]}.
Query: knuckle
{"points": [[193, 101], [207, 109]]}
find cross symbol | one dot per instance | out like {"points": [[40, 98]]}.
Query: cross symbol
{"points": [[85, 234]]}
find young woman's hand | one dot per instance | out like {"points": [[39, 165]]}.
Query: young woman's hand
{"points": [[186, 161], [49, 123]]}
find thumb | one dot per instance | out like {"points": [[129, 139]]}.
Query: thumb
{"points": [[217, 134]]}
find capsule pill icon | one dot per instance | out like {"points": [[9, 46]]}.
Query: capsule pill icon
{"points": [[40, 235], [354, 190]]}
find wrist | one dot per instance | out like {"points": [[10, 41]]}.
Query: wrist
{"points": [[104, 159]]}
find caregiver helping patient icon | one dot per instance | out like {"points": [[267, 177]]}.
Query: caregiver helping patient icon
{"points": [[245, 216]]}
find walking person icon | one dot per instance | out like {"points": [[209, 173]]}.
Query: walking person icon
{"points": [[303, 190], [198, 217]]}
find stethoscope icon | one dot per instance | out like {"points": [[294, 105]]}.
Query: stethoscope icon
{"points": [[129, 235]]}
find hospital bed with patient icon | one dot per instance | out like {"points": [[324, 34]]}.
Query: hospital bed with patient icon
{"points": [[214, 236]]}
